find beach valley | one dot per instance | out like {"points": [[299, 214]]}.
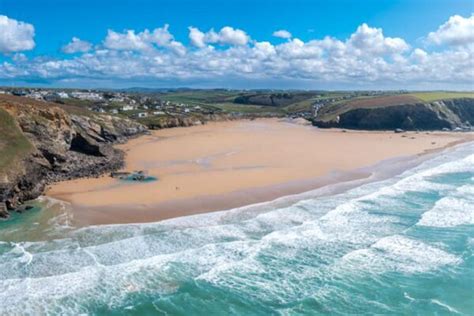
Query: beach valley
{"points": [[225, 165]]}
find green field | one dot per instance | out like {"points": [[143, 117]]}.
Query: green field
{"points": [[13, 144], [441, 95], [249, 109], [200, 97]]}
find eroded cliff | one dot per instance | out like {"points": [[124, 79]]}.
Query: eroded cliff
{"points": [[435, 115], [53, 143]]}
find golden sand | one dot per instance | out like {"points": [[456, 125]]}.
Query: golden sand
{"points": [[228, 164]]}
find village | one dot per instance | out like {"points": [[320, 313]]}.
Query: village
{"points": [[173, 107], [132, 105]]}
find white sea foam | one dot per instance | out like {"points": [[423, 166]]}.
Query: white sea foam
{"points": [[399, 253], [450, 211], [267, 250], [446, 306]]}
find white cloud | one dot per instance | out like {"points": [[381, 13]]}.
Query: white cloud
{"points": [[19, 57], [127, 41], [419, 55], [282, 34], [15, 35], [76, 46], [366, 58], [231, 36], [143, 41], [226, 36], [371, 40], [456, 31], [197, 37]]}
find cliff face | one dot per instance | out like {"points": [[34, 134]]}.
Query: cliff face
{"points": [[63, 146], [423, 116]]}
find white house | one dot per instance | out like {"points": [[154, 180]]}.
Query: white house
{"points": [[91, 96], [128, 108]]}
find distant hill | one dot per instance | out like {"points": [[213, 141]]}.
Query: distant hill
{"points": [[423, 111]]}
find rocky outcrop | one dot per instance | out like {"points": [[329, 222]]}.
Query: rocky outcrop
{"points": [[420, 116], [186, 121], [65, 146]]}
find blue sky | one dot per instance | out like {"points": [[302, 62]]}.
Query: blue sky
{"points": [[56, 22]]}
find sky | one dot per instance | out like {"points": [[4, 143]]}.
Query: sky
{"points": [[294, 44]]}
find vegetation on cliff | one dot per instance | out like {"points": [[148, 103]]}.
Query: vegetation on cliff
{"points": [[42, 143], [13, 143], [402, 111]]}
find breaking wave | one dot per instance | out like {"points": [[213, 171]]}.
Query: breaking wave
{"points": [[390, 246]]}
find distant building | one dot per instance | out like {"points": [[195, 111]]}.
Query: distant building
{"points": [[35, 95], [128, 108], [114, 111], [117, 99], [91, 96], [141, 114], [159, 113]]}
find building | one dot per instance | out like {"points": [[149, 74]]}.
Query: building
{"points": [[91, 96], [128, 108]]}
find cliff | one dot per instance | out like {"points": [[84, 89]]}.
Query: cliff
{"points": [[45, 143], [434, 115]]}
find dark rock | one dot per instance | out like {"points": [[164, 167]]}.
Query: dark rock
{"points": [[438, 115], [66, 146], [3, 211]]}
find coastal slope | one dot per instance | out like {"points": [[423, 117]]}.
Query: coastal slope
{"points": [[43, 142], [392, 112]]}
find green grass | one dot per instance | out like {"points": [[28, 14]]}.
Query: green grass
{"points": [[440, 95], [249, 109], [302, 106], [200, 97], [13, 144]]}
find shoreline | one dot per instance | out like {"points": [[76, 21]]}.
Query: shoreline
{"points": [[142, 210]]}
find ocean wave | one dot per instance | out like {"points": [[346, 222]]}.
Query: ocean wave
{"points": [[320, 251]]}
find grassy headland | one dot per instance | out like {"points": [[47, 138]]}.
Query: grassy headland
{"points": [[13, 143]]}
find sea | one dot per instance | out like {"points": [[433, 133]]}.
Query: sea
{"points": [[400, 243]]}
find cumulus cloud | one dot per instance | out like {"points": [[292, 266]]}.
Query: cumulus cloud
{"points": [[197, 37], [456, 31], [367, 57], [282, 34], [371, 40], [15, 36], [76, 46], [226, 36], [143, 41]]}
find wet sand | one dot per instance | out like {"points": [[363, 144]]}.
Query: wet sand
{"points": [[230, 164]]}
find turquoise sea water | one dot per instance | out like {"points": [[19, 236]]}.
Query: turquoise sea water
{"points": [[400, 246]]}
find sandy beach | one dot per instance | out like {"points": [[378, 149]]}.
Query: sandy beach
{"points": [[230, 164]]}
